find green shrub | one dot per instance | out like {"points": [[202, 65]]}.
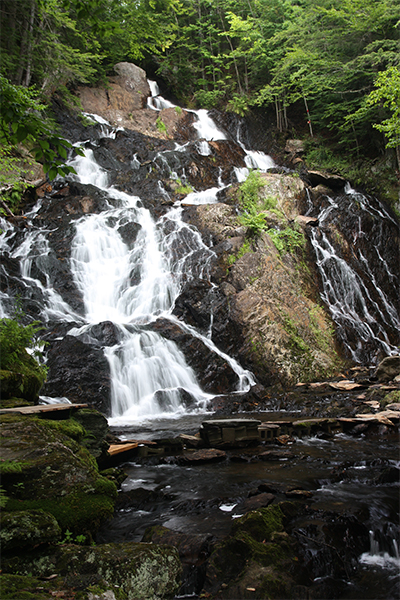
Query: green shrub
{"points": [[254, 221], [249, 191], [161, 126], [14, 339], [287, 239]]}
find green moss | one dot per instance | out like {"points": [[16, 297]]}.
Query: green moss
{"points": [[391, 398], [18, 587], [162, 128], [260, 524], [273, 586], [80, 512], [68, 427]]}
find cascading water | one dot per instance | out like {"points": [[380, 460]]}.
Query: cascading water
{"points": [[367, 317], [150, 377]]}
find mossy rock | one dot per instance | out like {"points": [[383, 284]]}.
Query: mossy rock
{"points": [[24, 383], [96, 428], [260, 524], [390, 398], [55, 473], [23, 587], [21, 529], [132, 570], [15, 402], [258, 554]]}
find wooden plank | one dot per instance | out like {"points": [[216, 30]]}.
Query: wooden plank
{"points": [[41, 408], [118, 448]]}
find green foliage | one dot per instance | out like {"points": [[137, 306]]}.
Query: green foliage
{"points": [[249, 191], [11, 466], [239, 104], [22, 121], [287, 240], [3, 498], [69, 538], [14, 339], [254, 221], [162, 128], [387, 93]]}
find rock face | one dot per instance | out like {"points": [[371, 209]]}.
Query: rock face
{"points": [[388, 368], [128, 91], [268, 298]]}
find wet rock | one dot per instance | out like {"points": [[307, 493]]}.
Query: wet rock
{"points": [[213, 373], [25, 382], [203, 456], [297, 493], [80, 372], [388, 368], [260, 500], [230, 432], [257, 554], [334, 182], [277, 455], [194, 549], [96, 427]]}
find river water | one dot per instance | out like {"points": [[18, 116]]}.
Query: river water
{"points": [[133, 285]]}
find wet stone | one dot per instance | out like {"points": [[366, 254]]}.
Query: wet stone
{"points": [[230, 432]]}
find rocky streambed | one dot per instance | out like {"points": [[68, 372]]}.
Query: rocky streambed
{"points": [[263, 504]]}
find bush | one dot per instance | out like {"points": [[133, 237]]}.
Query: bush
{"points": [[14, 340]]}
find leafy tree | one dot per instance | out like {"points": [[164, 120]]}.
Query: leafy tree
{"points": [[22, 120], [387, 93]]}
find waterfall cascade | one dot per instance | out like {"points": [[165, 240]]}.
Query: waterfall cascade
{"points": [[134, 284]]}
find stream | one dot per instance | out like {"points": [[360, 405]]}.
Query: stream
{"points": [[128, 266]]}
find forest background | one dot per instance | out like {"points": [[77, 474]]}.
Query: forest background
{"points": [[328, 71]]}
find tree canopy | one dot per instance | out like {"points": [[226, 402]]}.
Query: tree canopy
{"points": [[337, 59]]}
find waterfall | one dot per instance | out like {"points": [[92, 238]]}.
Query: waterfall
{"points": [[366, 316], [150, 376], [133, 281]]}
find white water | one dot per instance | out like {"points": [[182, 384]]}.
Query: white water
{"points": [[344, 291], [148, 371]]}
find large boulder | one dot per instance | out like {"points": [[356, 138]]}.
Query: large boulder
{"points": [[27, 529], [388, 368], [271, 318], [46, 467], [80, 372], [137, 571]]}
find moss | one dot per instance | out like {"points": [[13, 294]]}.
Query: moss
{"points": [[69, 427], [27, 528], [23, 382], [390, 398], [80, 512], [273, 586], [260, 524], [131, 570], [15, 402], [55, 473], [19, 587]]}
